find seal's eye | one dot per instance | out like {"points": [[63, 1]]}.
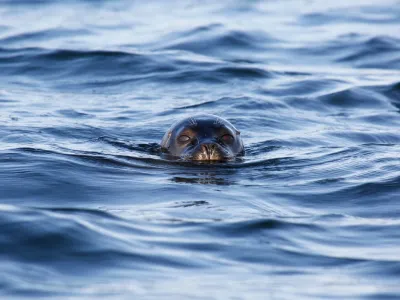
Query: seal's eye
{"points": [[227, 138], [184, 138]]}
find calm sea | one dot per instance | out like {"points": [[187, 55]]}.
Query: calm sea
{"points": [[89, 210]]}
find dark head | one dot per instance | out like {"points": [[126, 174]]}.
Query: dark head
{"points": [[203, 138]]}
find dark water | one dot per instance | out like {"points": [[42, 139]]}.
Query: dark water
{"points": [[88, 209]]}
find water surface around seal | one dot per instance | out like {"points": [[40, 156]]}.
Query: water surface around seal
{"points": [[88, 208]]}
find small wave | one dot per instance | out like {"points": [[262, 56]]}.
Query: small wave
{"points": [[73, 240], [238, 103], [392, 91], [301, 87], [214, 40], [359, 51], [356, 98], [71, 113], [112, 68], [64, 65], [361, 13], [377, 52], [47, 35]]}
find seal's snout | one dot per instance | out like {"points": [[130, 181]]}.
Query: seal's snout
{"points": [[208, 151]]}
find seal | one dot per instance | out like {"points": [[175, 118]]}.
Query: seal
{"points": [[202, 138]]}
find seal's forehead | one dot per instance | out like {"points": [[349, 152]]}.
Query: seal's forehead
{"points": [[202, 123], [205, 122]]}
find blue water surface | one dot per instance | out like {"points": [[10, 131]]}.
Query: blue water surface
{"points": [[88, 208]]}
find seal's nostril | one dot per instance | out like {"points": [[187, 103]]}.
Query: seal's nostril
{"points": [[204, 148]]}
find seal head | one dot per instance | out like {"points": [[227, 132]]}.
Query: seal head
{"points": [[202, 138]]}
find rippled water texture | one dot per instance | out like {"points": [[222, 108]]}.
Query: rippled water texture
{"points": [[89, 210]]}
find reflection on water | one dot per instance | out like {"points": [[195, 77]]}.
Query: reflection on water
{"points": [[203, 178]]}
